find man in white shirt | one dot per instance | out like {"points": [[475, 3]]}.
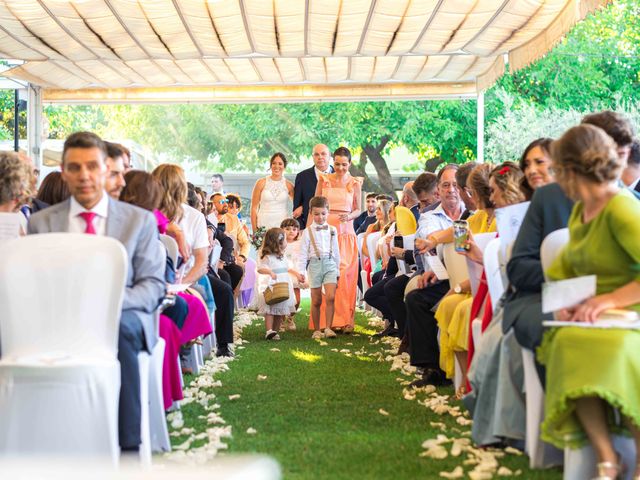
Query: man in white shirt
{"points": [[90, 210], [306, 182], [420, 319]]}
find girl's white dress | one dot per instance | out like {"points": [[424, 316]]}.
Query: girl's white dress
{"points": [[292, 253], [280, 268]]}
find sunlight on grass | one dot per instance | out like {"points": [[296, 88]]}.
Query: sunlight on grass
{"points": [[364, 359], [305, 356], [360, 329]]}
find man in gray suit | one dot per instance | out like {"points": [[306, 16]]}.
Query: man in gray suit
{"points": [[91, 211]]}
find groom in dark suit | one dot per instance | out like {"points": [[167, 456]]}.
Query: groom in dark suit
{"points": [[306, 182], [91, 211]]}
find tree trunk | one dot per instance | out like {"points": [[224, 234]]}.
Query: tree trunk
{"points": [[359, 171], [374, 153]]}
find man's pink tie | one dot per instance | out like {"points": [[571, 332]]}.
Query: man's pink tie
{"points": [[88, 218]]}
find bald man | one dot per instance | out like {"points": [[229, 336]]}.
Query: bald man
{"points": [[410, 199], [306, 181]]}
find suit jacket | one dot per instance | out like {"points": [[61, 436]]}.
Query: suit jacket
{"points": [[137, 230], [549, 211], [304, 190]]}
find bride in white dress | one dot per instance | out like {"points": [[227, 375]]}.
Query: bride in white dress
{"points": [[269, 207], [271, 195]]}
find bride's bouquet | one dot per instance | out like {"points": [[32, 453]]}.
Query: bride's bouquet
{"points": [[258, 237]]}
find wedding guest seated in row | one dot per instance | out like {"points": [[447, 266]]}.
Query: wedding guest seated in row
{"points": [[367, 217], [591, 371], [420, 321], [91, 211], [383, 211], [115, 163], [465, 191], [53, 189], [15, 180]]}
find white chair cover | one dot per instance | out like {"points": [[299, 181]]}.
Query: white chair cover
{"points": [[541, 454], [456, 265], [59, 375], [172, 248], [372, 242], [492, 271]]}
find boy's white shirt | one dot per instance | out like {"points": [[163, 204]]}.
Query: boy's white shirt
{"points": [[325, 241]]}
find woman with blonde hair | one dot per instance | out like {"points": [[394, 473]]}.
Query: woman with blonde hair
{"points": [[15, 181], [383, 211], [592, 373]]}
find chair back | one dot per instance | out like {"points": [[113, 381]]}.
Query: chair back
{"points": [[551, 246], [456, 265], [475, 269], [61, 295], [405, 221], [172, 248], [215, 255], [372, 243], [492, 270]]}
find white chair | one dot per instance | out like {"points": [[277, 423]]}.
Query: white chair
{"points": [[475, 275], [456, 265], [59, 375], [492, 271], [172, 248], [372, 243]]}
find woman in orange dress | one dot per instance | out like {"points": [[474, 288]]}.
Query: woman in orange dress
{"points": [[344, 194]]}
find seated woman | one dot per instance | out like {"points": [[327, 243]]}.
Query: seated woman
{"points": [[382, 220], [592, 371], [15, 181]]}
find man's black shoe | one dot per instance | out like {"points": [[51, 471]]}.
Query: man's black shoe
{"points": [[224, 351], [387, 332], [431, 376]]}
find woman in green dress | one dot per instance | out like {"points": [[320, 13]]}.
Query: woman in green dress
{"points": [[591, 371]]}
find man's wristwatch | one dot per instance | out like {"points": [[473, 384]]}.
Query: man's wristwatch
{"points": [[457, 289]]}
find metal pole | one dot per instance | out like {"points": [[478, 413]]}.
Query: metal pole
{"points": [[16, 121], [480, 117], [34, 124]]}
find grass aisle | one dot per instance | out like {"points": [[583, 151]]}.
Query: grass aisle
{"points": [[318, 410]]}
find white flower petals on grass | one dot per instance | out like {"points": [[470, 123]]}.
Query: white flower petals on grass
{"points": [[274, 349], [235, 396], [251, 431], [262, 377], [457, 472], [383, 412]]}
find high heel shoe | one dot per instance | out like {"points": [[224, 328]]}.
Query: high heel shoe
{"points": [[603, 466]]}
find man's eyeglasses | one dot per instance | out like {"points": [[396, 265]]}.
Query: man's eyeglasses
{"points": [[223, 201]]}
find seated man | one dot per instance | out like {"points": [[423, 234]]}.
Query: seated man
{"points": [[421, 323], [91, 211]]}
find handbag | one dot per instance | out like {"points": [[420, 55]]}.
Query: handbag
{"points": [[276, 293]]}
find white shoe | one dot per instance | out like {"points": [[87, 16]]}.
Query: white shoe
{"points": [[271, 334], [316, 335]]}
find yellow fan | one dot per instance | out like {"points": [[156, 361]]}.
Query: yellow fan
{"points": [[405, 221]]}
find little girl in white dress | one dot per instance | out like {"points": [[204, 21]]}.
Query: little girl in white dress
{"points": [[273, 264], [292, 253]]}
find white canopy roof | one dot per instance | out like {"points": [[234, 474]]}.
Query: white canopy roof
{"points": [[261, 50]]}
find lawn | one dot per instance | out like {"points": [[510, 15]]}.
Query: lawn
{"points": [[318, 411]]}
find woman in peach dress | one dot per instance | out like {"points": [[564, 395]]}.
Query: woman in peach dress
{"points": [[344, 194]]}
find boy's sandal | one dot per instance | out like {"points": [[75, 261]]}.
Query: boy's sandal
{"points": [[347, 329], [602, 466]]}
